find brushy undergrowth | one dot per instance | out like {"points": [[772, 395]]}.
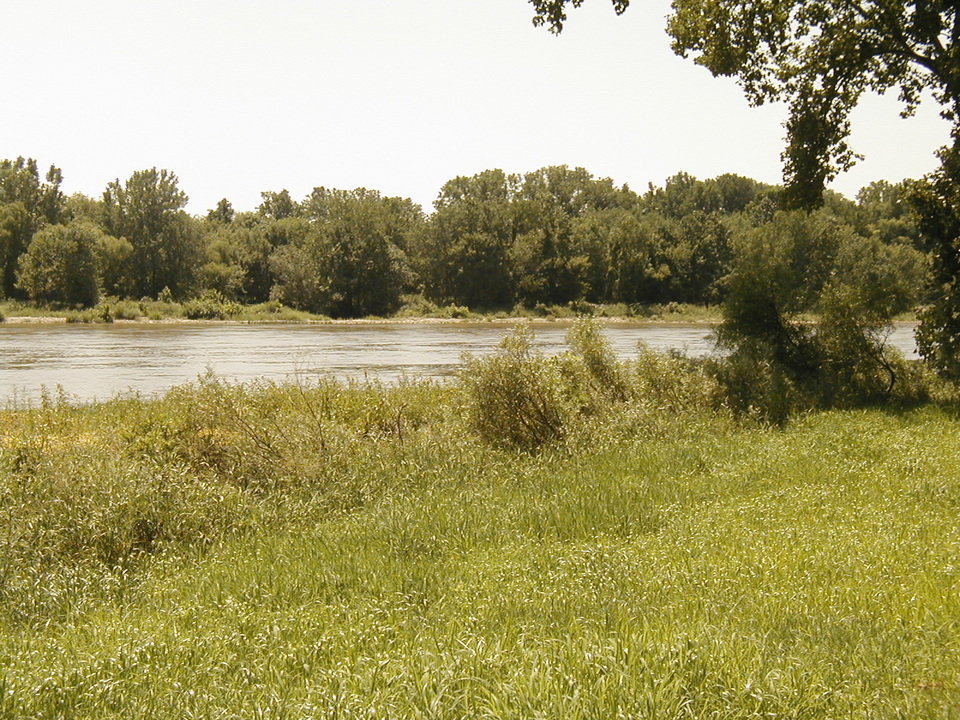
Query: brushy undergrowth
{"points": [[717, 572], [575, 536], [521, 398]]}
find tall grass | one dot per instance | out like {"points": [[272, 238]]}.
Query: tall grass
{"points": [[327, 550]]}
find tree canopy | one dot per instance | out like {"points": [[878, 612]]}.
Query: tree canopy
{"points": [[818, 56]]}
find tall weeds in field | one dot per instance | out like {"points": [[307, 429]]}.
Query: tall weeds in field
{"points": [[517, 397], [101, 486]]}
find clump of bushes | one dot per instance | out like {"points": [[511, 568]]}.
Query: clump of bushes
{"points": [[160, 309], [124, 309], [777, 366], [211, 305], [521, 398], [416, 305], [102, 312], [517, 397]]}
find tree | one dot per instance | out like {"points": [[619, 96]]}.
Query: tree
{"points": [[223, 213], [462, 253], [938, 204], [26, 205], [820, 56], [60, 264], [237, 257], [625, 255], [353, 261], [547, 266], [277, 205], [147, 210]]}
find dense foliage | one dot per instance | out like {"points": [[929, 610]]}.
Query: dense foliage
{"points": [[555, 237], [820, 57]]}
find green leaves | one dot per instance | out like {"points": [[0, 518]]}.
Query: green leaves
{"points": [[553, 14], [147, 210], [61, 264]]}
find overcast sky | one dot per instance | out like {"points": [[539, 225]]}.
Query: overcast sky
{"points": [[240, 96]]}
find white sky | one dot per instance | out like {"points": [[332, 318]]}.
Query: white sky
{"points": [[239, 96]]}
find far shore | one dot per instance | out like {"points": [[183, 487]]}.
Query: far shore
{"points": [[635, 321]]}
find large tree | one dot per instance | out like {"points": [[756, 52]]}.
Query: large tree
{"points": [[462, 255], [147, 210], [352, 262], [27, 203], [820, 56], [60, 264]]}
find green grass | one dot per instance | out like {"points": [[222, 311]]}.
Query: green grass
{"points": [[322, 550]]}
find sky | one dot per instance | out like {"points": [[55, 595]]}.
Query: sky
{"points": [[242, 96]]}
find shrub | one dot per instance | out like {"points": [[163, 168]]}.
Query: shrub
{"points": [[672, 383], [158, 310], [453, 312], [752, 386], [124, 309], [606, 372], [416, 305], [102, 313], [210, 305], [517, 397]]}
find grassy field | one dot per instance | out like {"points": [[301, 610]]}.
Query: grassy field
{"points": [[322, 551]]}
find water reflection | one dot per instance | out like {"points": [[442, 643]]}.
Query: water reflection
{"points": [[92, 362]]}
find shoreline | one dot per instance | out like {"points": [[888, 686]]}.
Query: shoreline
{"points": [[22, 320]]}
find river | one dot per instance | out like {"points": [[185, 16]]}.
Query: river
{"points": [[91, 362]]}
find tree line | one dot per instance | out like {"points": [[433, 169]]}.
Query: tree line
{"points": [[557, 235]]}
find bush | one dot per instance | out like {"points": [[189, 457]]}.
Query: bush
{"points": [[124, 309], [517, 397], [752, 386], [415, 305], [210, 305], [453, 312], [606, 372], [672, 383], [158, 310]]}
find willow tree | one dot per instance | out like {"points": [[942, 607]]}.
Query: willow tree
{"points": [[820, 57]]}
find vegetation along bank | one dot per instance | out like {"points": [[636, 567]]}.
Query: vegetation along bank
{"points": [[558, 536]]}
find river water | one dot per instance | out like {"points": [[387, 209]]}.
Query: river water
{"points": [[92, 362]]}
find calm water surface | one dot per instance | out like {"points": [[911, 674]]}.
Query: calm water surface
{"points": [[99, 361]]}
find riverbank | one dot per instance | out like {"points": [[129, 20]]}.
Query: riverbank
{"points": [[153, 312], [505, 321], [359, 551]]}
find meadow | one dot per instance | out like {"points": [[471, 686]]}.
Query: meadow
{"points": [[570, 537]]}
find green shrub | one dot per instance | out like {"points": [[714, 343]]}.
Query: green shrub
{"points": [[605, 370], [210, 305], [752, 386], [158, 310], [124, 309], [103, 313], [517, 397], [79, 316], [416, 305], [672, 383], [453, 312]]}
